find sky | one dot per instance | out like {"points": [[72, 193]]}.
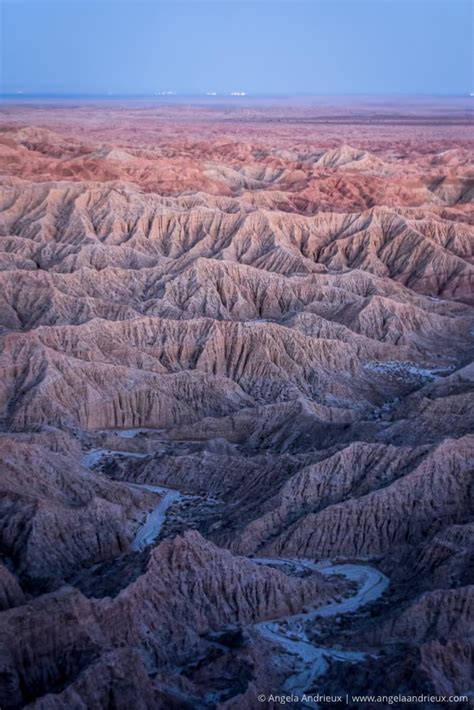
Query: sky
{"points": [[258, 46]]}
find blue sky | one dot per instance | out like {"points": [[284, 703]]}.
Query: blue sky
{"points": [[260, 46]]}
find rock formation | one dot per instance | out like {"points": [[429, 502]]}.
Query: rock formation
{"points": [[249, 334]]}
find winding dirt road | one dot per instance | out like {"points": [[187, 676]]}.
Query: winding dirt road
{"points": [[151, 528], [288, 632], [149, 531]]}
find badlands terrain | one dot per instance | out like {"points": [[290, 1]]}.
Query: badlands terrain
{"points": [[236, 404]]}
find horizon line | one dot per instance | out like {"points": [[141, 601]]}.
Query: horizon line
{"points": [[208, 96]]}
